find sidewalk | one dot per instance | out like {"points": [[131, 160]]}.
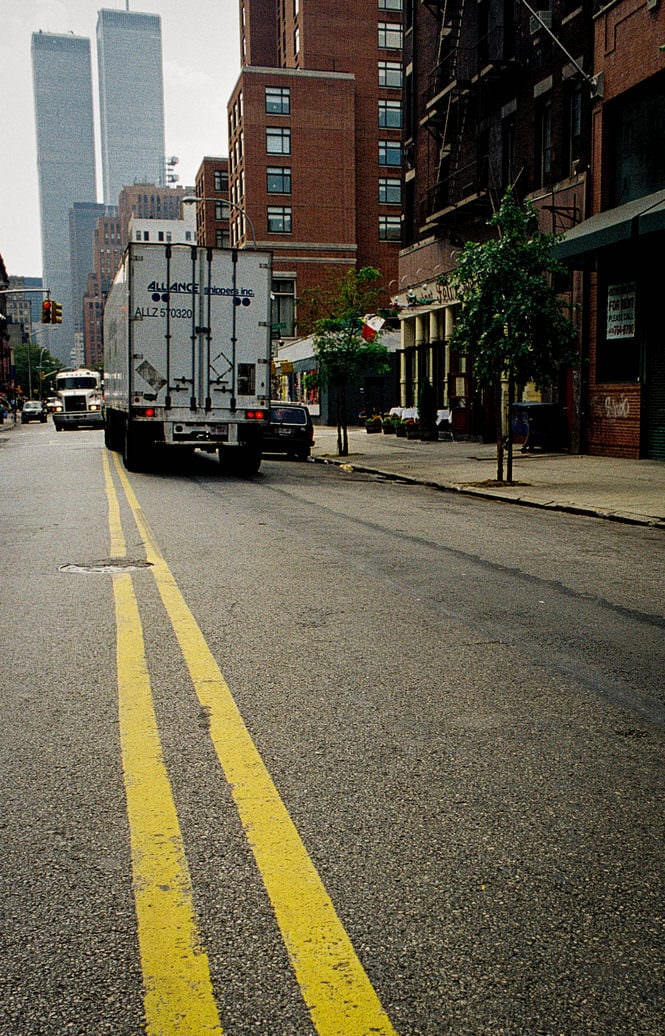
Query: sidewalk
{"points": [[630, 491]]}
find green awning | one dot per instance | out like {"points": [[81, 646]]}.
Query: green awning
{"points": [[641, 216]]}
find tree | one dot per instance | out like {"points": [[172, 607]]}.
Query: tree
{"points": [[33, 365], [512, 322], [343, 354], [351, 293]]}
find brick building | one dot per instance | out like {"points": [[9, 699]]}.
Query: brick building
{"points": [[314, 141], [212, 213], [619, 248], [492, 98]]}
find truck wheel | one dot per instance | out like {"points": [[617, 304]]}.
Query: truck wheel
{"points": [[240, 461], [131, 454]]}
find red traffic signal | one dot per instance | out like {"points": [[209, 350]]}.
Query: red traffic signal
{"points": [[46, 311]]}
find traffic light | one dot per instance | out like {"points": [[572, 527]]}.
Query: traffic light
{"points": [[56, 312], [46, 311]]}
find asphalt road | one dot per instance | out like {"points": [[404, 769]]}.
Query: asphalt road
{"points": [[438, 808]]}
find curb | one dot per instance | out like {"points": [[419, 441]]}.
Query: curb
{"points": [[551, 505]]}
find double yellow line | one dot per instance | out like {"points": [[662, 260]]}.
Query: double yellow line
{"points": [[179, 998]]}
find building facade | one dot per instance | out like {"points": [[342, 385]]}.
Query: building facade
{"points": [[315, 142], [62, 81], [619, 248], [212, 212], [494, 96], [131, 100]]}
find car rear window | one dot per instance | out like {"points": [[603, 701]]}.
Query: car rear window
{"points": [[286, 415]]}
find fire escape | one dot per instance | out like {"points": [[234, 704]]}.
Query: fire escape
{"points": [[461, 92]]}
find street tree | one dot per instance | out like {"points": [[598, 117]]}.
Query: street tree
{"points": [[512, 323], [345, 349], [34, 366]]}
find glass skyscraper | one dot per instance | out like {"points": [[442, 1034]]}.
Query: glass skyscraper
{"points": [[62, 81], [131, 100]]}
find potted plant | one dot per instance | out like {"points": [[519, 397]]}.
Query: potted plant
{"points": [[373, 424], [389, 422]]}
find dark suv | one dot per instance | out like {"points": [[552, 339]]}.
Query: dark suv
{"points": [[290, 430]]}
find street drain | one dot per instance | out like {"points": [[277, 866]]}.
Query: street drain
{"points": [[108, 567]]}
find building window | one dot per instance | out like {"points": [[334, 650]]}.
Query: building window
{"points": [[279, 219], [221, 210], [278, 179], [508, 171], [221, 180], [390, 74], [390, 191], [390, 5], [389, 228], [574, 126], [283, 308], [545, 142], [390, 114], [278, 100], [296, 42], [278, 140], [390, 152], [390, 36]]}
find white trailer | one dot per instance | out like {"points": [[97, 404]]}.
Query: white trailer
{"points": [[187, 353]]}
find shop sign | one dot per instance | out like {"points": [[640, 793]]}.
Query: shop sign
{"points": [[621, 305]]}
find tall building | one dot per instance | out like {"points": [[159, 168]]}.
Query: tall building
{"points": [[83, 218], [314, 142], [62, 81], [131, 100]]}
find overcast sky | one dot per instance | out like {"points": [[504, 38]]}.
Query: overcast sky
{"points": [[201, 55]]}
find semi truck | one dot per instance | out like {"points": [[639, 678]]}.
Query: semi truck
{"points": [[187, 335], [78, 399]]}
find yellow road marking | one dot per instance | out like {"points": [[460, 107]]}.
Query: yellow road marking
{"points": [[178, 998], [333, 982]]}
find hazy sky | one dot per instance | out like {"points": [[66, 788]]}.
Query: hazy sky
{"points": [[201, 55]]}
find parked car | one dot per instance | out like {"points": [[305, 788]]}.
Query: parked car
{"points": [[290, 430], [33, 410]]}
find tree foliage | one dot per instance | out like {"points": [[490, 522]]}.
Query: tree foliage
{"points": [[349, 294], [34, 368], [512, 323], [342, 353]]}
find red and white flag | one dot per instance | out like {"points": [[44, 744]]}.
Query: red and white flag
{"points": [[372, 324]]}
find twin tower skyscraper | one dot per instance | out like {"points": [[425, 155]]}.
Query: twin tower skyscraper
{"points": [[131, 111]]}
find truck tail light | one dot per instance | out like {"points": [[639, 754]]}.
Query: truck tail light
{"points": [[143, 411]]}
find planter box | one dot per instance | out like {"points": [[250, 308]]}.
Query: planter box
{"points": [[372, 428]]}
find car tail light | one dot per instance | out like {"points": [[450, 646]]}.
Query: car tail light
{"points": [[257, 415]]}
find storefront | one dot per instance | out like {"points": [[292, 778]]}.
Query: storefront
{"points": [[620, 251]]}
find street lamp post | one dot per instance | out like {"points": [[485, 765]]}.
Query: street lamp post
{"points": [[193, 199]]}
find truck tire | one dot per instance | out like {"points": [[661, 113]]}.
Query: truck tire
{"points": [[240, 461], [132, 455]]}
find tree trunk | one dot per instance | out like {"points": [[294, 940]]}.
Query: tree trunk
{"points": [[342, 432], [499, 431], [509, 437]]}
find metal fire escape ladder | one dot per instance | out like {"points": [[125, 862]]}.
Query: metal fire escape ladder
{"points": [[450, 39]]}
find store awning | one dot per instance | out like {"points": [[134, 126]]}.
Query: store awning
{"points": [[641, 216]]}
